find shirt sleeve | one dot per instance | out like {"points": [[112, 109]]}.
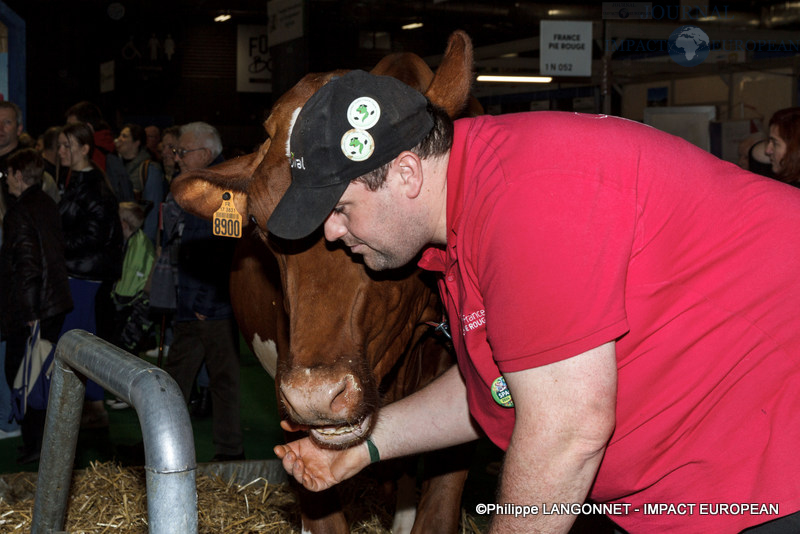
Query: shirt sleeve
{"points": [[552, 267]]}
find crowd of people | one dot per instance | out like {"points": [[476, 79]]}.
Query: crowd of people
{"points": [[81, 236]]}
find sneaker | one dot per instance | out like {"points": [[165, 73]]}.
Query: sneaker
{"points": [[28, 457], [153, 353], [10, 433], [118, 405]]}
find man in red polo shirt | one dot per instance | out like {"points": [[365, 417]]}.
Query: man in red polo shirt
{"points": [[622, 305]]}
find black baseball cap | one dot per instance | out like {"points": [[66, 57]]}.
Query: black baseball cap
{"points": [[354, 124]]}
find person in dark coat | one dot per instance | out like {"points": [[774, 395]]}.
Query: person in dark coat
{"points": [[34, 276], [93, 247], [205, 329]]}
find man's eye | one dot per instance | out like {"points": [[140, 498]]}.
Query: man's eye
{"points": [[338, 209]]}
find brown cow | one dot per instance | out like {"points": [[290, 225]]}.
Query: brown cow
{"points": [[339, 340]]}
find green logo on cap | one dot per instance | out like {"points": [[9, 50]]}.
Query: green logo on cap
{"points": [[363, 112], [354, 142], [357, 145]]}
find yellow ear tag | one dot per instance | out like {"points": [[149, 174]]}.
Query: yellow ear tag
{"points": [[227, 221]]}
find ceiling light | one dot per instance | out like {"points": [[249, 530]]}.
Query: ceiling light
{"points": [[412, 26], [515, 79], [222, 17]]}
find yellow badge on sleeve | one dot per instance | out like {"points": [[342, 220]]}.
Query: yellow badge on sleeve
{"points": [[227, 221]]}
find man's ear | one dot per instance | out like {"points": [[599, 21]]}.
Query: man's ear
{"points": [[209, 156], [409, 166]]}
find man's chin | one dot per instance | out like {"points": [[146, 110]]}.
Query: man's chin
{"points": [[382, 262]]}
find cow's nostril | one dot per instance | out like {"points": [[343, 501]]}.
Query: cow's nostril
{"points": [[322, 403], [343, 398]]}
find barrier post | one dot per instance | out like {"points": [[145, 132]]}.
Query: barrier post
{"points": [[170, 464]]}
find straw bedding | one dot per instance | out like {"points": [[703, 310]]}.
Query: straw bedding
{"points": [[108, 498]]}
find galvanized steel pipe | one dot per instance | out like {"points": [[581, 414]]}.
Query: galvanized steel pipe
{"points": [[170, 464]]}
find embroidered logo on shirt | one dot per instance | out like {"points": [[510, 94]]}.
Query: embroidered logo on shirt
{"points": [[472, 321]]}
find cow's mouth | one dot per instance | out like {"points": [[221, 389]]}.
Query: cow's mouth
{"points": [[342, 436]]}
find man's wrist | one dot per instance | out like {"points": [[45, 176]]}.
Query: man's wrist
{"points": [[372, 449]]}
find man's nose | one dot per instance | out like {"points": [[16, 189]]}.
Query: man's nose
{"points": [[333, 228]]}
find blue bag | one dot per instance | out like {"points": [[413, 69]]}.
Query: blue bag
{"points": [[32, 382]]}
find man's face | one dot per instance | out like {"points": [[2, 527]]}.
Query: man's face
{"points": [[126, 146], [9, 130], [776, 149], [168, 143], [153, 138], [380, 225], [191, 153]]}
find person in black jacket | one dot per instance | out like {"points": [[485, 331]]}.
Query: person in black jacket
{"points": [[34, 276], [93, 245]]}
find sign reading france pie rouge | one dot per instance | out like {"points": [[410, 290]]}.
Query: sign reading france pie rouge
{"points": [[565, 48]]}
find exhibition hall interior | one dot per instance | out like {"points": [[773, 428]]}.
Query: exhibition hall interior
{"points": [[710, 72]]}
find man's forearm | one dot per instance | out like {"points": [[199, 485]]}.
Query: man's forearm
{"points": [[433, 418], [533, 476], [565, 415]]}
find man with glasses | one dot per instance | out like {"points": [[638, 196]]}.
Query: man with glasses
{"points": [[205, 330], [199, 146]]}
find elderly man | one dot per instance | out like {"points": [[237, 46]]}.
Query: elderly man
{"points": [[204, 326], [624, 319]]}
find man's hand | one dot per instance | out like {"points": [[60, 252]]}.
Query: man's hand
{"points": [[433, 418], [318, 469]]}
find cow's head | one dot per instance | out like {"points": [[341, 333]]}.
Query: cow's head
{"points": [[347, 327]]}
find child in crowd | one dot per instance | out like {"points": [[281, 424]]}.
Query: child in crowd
{"points": [[132, 321]]}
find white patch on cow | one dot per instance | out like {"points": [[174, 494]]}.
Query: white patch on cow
{"points": [[406, 511], [303, 529], [295, 113], [267, 354]]}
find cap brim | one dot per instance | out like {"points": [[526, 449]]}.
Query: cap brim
{"points": [[302, 210]]}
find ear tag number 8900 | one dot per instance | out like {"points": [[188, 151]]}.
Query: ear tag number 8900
{"points": [[227, 221]]}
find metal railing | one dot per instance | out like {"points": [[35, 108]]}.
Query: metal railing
{"points": [[170, 464]]}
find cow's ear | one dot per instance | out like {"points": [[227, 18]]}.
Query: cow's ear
{"points": [[200, 191], [451, 85]]}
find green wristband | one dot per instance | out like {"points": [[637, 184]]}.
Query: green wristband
{"points": [[374, 455]]}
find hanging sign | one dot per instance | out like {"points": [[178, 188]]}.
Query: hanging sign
{"points": [[285, 20], [565, 48], [253, 72]]}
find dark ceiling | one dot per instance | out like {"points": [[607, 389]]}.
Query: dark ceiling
{"points": [[69, 39]]}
